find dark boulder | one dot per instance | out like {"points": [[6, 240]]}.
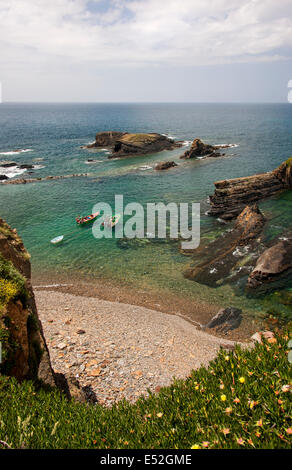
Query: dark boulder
{"points": [[226, 319], [274, 263], [165, 165]]}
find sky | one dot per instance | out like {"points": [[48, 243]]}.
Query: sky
{"points": [[145, 50]]}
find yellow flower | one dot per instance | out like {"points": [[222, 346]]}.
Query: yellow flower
{"points": [[259, 423], [159, 415], [223, 397], [242, 380], [195, 446], [227, 358]]}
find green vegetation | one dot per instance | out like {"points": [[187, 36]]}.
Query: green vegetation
{"points": [[243, 400], [12, 287], [289, 162], [12, 284]]}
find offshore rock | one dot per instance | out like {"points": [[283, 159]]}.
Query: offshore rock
{"points": [[165, 165], [231, 196], [124, 144], [199, 149]]}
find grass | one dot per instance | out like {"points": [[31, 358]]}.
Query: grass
{"points": [[242, 400]]}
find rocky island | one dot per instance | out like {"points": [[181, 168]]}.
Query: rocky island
{"points": [[123, 144]]}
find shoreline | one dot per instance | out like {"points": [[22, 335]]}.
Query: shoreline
{"points": [[195, 311], [121, 351]]}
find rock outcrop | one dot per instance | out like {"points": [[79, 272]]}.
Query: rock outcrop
{"points": [[124, 144], [273, 263], [231, 196], [45, 178], [199, 149], [213, 262], [165, 165], [24, 351]]}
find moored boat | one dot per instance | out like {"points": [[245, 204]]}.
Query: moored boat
{"points": [[111, 222], [87, 219]]}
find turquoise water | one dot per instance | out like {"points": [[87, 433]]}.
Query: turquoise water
{"points": [[55, 132]]}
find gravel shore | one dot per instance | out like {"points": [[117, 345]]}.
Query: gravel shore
{"points": [[118, 350]]}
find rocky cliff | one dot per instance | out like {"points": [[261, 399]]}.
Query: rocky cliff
{"points": [[24, 351], [231, 196], [124, 144]]}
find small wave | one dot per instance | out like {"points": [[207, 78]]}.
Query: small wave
{"points": [[38, 167], [92, 162], [226, 145], [11, 172], [186, 143], [15, 152], [145, 167]]}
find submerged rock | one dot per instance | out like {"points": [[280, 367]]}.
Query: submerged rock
{"points": [[273, 263], [231, 196], [165, 165], [124, 144]]}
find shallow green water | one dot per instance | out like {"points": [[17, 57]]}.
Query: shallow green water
{"points": [[41, 211]]}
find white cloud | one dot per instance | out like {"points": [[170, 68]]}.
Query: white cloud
{"points": [[188, 32], [49, 45]]}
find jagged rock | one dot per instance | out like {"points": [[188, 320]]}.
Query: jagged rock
{"points": [[124, 144], [231, 196], [165, 165], [272, 264], [226, 319], [216, 259], [199, 149], [3, 177], [25, 354]]}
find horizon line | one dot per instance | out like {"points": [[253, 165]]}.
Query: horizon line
{"points": [[144, 102]]}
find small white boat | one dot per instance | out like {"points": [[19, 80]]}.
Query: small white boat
{"points": [[57, 239]]}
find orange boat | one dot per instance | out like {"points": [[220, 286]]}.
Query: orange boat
{"points": [[87, 219]]}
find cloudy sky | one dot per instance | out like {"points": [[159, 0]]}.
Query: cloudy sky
{"points": [[145, 50]]}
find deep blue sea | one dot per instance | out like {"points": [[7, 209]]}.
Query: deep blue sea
{"points": [[52, 135]]}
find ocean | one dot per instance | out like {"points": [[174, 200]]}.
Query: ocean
{"points": [[50, 137]]}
